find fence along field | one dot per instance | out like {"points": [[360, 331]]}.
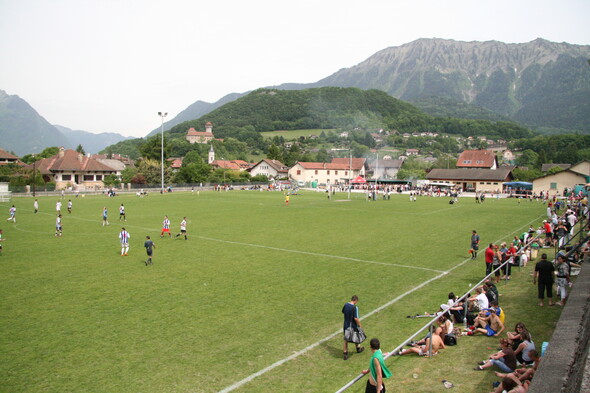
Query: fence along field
{"points": [[255, 283]]}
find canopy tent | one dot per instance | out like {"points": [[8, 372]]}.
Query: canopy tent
{"points": [[359, 179], [519, 184]]}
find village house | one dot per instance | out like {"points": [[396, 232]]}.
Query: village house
{"points": [[339, 171], [384, 169], [70, 169], [194, 136], [477, 159], [7, 158], [234, 165], [412, 152], [272, 169], [567, 178], [472, 179]]}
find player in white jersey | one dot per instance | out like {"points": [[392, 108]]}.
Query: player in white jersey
{"points": [[58, 227], [124, 238], [12, 212], [165, 227], [183, 229], [58, 207], [122, 215]]}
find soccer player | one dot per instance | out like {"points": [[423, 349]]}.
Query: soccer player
{"points": [[58, 206], [58, 227], [149, 246], [183, 229], [124, 238], [70, 204], [12, 212], [122, 213], [36, 206], [165, 227], [287, 197], [105, 213]]}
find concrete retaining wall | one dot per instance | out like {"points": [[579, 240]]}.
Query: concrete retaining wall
{"points": [[566, 365]]}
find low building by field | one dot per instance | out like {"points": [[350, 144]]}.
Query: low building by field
{"points": [[472, 180]]}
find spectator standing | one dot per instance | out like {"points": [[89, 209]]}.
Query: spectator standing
{"points": [[543, 277], [489, 255]]}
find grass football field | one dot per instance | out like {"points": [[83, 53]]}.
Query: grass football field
{"points": [[250, 303]]}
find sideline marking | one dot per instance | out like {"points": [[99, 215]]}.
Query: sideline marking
{"points": [[249, 378]]}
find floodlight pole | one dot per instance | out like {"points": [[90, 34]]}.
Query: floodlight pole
{"points": [[349, 174], [34, 174], [162, 115]]}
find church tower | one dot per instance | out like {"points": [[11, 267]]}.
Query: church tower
{"points": [[211, 155]]}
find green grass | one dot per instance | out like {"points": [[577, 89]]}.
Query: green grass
{"points": [[293, 134], [255, 282]]}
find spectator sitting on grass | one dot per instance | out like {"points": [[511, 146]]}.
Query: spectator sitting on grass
{"points": [[523, 349], [491, 291], [487, 323], [524, 374], [514, 337], [505, 360], [479, 301], [509, 385], [437, 343]]}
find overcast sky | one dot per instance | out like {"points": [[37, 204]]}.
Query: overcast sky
{"points": [[111, 65]]}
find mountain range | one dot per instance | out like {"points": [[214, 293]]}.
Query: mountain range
{"points": [[23, 130], [540, 84]]}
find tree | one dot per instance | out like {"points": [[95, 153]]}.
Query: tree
{"points": [[111, 181], [274, 153], [151, 171], [152, 148], [49, 151], [528, 158], [128, 174], [80, 149]]}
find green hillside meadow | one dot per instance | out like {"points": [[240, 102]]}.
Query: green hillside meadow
{"points": [[257, 282]]}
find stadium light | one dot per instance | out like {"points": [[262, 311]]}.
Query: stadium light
{"points": [[162, 115]]}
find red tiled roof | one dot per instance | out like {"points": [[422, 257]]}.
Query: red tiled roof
{"points": [[6, 155], [70, 160], [357, 163], [192, 132], [225, 164], [476, 159]]}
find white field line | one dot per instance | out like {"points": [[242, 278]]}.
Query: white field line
{"points": [[323, 340]]}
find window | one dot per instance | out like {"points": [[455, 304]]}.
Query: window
{"points": [[336, 172], [299, 171], [481, 182], [553, 186], [479, 162], [66, 177], [98, 177], [488, 183], [316, 171], [88, 177], [495, 183], [328, 172], [466, 161], [345, 173]]}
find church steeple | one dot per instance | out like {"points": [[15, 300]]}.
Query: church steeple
{"points": [[211, 155]]}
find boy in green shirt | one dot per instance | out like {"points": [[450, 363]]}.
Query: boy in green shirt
{"points": [[377, 368]]}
